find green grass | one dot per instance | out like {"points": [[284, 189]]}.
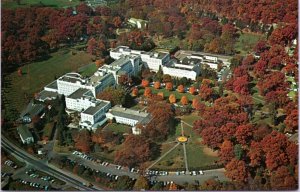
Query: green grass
{"points": [[88, 70], [196, 157], [173, 160], [246, 42], [118, 128], [12, 4], [168, 43], [38, 74]]}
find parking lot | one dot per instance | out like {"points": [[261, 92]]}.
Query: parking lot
{"points": [[37, 179]]}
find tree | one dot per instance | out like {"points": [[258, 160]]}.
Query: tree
{"points": [[117, 21], [20, 72], [148, 92], [115, 95], [184, 100], [244, 134], [124, 183], [145, 83], [169, 86], [82, 140], [161, 94], [141, 184], [99, 62], [180, 88], [192, 90], [237, 170], [291, 121], [135, 150], [226, 152], [196, 103], [157, 85], [172, 98], [135, 92], [281, 179]]}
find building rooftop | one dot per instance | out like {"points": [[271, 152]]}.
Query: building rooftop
{"points": [[130, 114], [72, 78], [79, 93], [99, 106], [32, 110], [44, 95], [52, 85], [24, 131]]}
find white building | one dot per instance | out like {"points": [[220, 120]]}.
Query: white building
{"points": [[152, 60], [70, 82], [92, 109], [25, 135], [128, 117], [139, 23], [187, 68], [126, 64]]}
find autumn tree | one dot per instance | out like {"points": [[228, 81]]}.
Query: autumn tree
{"points": [[148, 92], [192, 90], [115, 95], [184, 100], [157, 85], [237, 170], [82, 141], [172, 98], [135, 150], [135, 92], [161, 94], [226, 152], [141, 183], [180, 89], [169, 86], [145, 83]]}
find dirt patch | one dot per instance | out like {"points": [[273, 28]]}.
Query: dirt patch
{"points": [[210, 152]]}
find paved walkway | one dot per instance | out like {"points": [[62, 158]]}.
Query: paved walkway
{"points": [[163, 156], [185, 159]]}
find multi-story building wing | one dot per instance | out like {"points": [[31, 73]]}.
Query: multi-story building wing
{"points": [[152, 60], [128, 117], [189, 69]]}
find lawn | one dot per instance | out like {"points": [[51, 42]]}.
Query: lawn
{"points": [[12, 4], [118, 128], [88, 70], [198, 155], [246, 42], [38, 74], [168, 43]]}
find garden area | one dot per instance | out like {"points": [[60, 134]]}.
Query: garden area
{"points": [[13, 4], [18, 89], [246, 42]]}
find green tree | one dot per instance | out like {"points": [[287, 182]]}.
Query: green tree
{"points": [[124, 183]]}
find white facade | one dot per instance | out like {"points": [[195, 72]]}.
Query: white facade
{"points": [[152, 60], [129, 65], [128, 117], [188, 70]]}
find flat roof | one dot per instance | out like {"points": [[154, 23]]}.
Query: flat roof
{"points": [[93, 110], [79, 93], [130, 114], [52, 85], [47, 94]]}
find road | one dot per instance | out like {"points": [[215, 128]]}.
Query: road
{"points": [[40, 165]]}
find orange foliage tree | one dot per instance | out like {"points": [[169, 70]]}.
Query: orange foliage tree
{"points": [[157, 85], [184, 100], [161, 94], [192, 90], [147, 92], [180, 88], [172, 98], [135, 92], [169, 86], [145, 83]]}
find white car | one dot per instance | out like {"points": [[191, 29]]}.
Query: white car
{"points": [[194, 173], [201, 172]]}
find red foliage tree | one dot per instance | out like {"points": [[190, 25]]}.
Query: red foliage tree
{"points": [[237, 170], [157, 85], [145, 83], [169, 86], [184, 100], [180, 88]]}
